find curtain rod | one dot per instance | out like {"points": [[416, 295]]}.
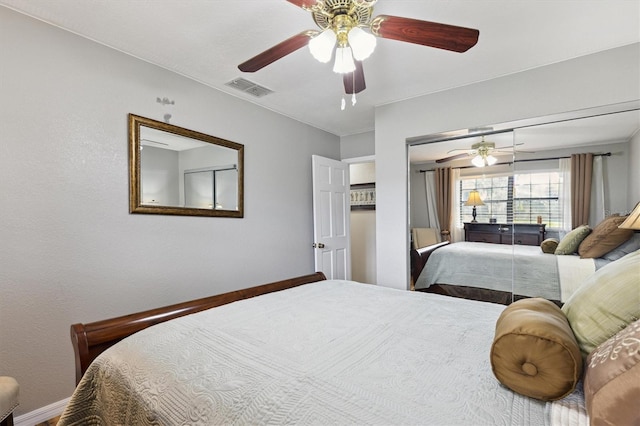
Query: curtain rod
{"points": [[606, 154]]}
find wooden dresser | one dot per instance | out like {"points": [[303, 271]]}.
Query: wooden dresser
{"points": [[530, 234]]}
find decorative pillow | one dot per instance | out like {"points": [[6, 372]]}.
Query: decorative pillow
{"points": [[612, 379], [605, 303], [621, 251], [570, 243], [605, 237], [534, 351], [549, 245]]}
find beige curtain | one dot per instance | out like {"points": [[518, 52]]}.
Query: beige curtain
{"points": [[581, 171], [444, 195]]}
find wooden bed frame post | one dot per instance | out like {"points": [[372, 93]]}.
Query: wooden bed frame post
{"points": [[80, 348]]}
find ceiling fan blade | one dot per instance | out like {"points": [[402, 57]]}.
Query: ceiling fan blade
{"points": [[457, 149], [451, 158], [305, 4], [278, 51], [354, 81], [433, 34], [509, 146]]}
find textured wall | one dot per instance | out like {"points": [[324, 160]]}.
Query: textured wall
{"points": [[358, 145], [70, 251]]}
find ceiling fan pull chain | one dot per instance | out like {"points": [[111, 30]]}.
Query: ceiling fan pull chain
{"points": [[353, 92]]}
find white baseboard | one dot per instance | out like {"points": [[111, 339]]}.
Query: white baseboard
{"points": [[41, 414]]}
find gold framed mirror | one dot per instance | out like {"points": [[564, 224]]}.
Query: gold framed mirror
{"points": [[177, 171]]}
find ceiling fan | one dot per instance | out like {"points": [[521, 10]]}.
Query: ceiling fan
{"points": [[481, 153], [341, 34]]}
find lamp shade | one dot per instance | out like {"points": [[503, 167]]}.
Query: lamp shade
{"points": [[362, 43], [482, 160], [474, 199], [633, 221], [344, 61], [321, 46], [478, 161]]}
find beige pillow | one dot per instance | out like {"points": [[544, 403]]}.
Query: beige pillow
{"points": [[534, 351], [605, 237], [605, 303], [612, 379], [549, 245], [570, 243]]}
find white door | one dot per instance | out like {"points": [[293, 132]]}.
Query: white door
{"points": [[331, 210]]}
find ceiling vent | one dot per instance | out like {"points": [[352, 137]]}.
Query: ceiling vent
{"points": [[249, 87]]}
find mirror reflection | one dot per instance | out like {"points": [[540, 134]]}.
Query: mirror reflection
{"points": [[183, 172], [472, 176], [585, 160], [502, 215]]}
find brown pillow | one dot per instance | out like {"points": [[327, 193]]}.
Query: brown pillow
{"points": [[605, 237], [549, 245], [612, 379], [534, 351]]}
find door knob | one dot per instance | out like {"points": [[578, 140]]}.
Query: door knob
{"points": [[319, 245]]}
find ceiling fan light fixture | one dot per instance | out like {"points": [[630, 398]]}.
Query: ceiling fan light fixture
{"points": [[362, 43], [491, 160], [344, 61], [478, 161], [321, 46], [342, 26]]}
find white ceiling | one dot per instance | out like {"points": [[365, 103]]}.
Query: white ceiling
{"points": [[206, 39]]}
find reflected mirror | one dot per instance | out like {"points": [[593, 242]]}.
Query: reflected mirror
{"points": [[176, 171]]}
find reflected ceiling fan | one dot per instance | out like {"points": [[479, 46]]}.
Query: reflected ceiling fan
{"points": [[342, 34], [481, 153]]}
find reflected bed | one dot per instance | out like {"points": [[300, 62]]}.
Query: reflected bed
{"points": [[324, 352], [485, 271]]}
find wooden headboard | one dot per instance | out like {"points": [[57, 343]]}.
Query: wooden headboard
{"points": [[91, 339], [419, 258]]}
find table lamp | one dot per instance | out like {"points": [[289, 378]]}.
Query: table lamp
{"points": [[474, 200]]}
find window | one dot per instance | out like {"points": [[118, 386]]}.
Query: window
{"points": [[536, 194], [519, 198], [494, 192]]}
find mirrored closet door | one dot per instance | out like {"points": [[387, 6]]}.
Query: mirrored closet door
{"points": [[512, 191], [583, 159], [471, 173]]}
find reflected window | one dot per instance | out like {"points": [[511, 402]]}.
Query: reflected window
{"points": [[494, 192], [519, 198], [537, 194]]}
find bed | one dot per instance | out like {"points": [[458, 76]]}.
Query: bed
{"points": [[302, 351], [485, 271]]}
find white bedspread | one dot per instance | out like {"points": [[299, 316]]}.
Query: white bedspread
{"points": [[572, 272], [332, 352], [523, 270]]}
